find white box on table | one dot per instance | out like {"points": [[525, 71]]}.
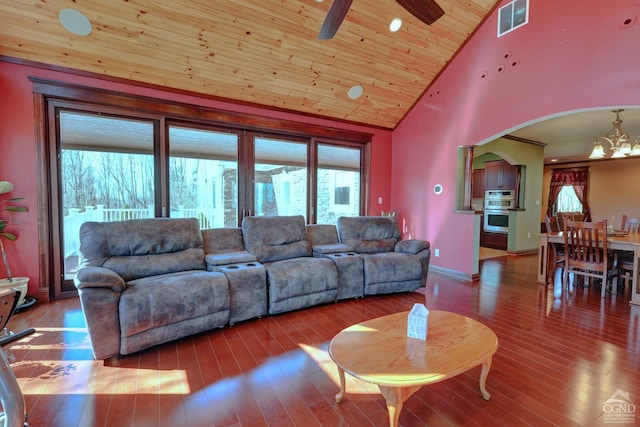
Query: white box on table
{"points": [[417, 322]]}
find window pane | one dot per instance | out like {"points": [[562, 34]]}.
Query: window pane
{"points": [[338, 183], [107, 174], [568, 200], [280, 177], [203, 176]]}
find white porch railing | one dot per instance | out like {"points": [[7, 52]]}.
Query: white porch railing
{"points": [[76, 217]]}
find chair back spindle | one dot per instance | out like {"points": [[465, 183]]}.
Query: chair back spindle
{"points": [[586, 252]]}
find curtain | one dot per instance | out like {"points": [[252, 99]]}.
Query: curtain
{"points": [[579, 179]]}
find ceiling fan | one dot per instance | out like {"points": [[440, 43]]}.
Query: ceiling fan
{"points": [[428, 11]]}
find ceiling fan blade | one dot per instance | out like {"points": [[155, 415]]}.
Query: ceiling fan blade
{"points": [[428, 11], [335, 16]]}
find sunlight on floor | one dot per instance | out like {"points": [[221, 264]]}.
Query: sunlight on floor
{"points": [[58, 377], [354, 385], [38, 371]]}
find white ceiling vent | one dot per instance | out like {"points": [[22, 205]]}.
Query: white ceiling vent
{"points": [[512, 15]]}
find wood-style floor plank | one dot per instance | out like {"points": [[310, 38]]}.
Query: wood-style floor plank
{"points": [[562, 354]]}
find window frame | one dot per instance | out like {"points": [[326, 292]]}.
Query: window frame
{"points": [[50, 93]]}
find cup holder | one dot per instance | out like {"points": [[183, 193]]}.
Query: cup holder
{"points": [[251, 264], [232, 267]]}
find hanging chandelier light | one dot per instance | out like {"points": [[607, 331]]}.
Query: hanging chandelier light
{"points": [[619, 141]]}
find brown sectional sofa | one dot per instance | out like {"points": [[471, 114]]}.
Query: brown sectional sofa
{"points": [[149, 281]]}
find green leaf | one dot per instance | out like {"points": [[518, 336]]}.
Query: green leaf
{"points": [[16, 209], [5, 187], [9, 236]]}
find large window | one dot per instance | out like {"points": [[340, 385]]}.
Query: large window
{"points": [[203, 176], [339, 178], [280, 177], [105, 156], [107, 174]]}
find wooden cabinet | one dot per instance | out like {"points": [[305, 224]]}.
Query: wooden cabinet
{"points": [[500, 175], [494, 240], [477, 188]]}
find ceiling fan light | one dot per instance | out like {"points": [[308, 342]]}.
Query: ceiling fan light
{"points": [[597, 152], [395, 25]]}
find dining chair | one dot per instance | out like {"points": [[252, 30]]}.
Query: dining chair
{"points": [[567, 216], [630, 224], [585, 246], [625, 259], [557, 255]]}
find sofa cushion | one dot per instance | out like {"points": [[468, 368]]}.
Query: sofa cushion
{"points": [[369, 234], [301, 282], [275, 238], [221, 240], [143, 247], [155, 301], [322, 234]]}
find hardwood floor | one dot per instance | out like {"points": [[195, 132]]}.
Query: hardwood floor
{"points": [[559, 361]]}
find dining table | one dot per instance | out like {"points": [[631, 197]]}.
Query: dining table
{"points": [[616, 241]]}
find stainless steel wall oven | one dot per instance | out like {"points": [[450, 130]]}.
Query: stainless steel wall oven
{"points": [[496, 210]]}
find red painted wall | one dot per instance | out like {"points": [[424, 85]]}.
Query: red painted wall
{"points": [[572, 55], [18, 161]]}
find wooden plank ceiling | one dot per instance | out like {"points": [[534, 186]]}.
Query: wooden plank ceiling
{"points": [[262, 52]]}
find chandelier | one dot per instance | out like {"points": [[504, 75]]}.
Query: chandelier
{"points": [[619, 141]]}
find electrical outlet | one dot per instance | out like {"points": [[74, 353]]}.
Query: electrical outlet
{"points": [[529, 235], [437, 252]]}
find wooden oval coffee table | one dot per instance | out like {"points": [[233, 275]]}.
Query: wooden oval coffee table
{"points": [[378, 351]]}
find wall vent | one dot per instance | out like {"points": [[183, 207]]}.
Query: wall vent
{"points": [[512, 15]]}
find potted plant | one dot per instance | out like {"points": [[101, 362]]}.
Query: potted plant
{"points": [[7, 204]]}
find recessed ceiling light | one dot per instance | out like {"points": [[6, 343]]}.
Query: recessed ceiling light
{"points": [[554, 160], [75, 22], [319, 1], [395, 25], [355, 92]]}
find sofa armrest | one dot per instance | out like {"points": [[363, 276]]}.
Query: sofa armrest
{"points": [[421, 249], [99, 289], [99, 277], [225, 258], [331, 248], [411, 246]]}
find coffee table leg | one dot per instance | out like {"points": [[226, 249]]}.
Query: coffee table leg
{"points": [[343, 385], [395, 397], [483, 379]]}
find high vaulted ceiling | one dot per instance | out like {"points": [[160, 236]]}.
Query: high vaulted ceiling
{"points": [[263, 52]]}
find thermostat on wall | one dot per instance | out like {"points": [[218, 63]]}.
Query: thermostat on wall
{"points": [[437, 188]]}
